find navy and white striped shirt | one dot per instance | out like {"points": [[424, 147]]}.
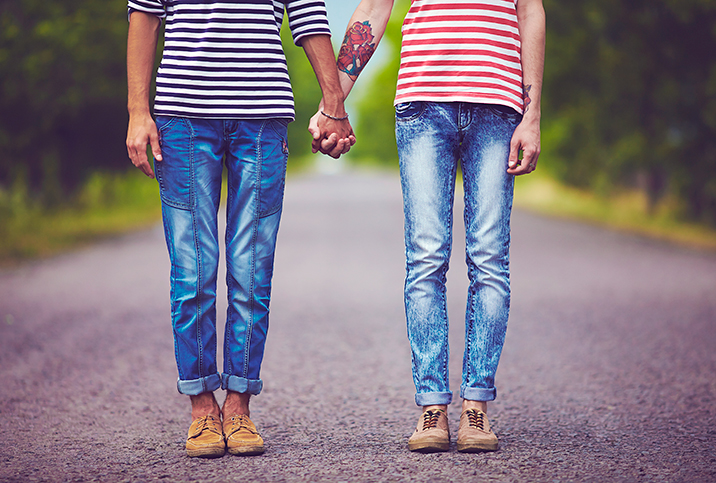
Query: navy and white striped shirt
{"points": [[224, 59]]}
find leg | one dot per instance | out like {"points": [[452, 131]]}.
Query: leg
{"points": [[488, 206], [190, 185], [257, 168], [427, 147], [257, 171]]}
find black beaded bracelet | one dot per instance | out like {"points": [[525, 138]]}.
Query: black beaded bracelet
{"points": [[335, 118]]}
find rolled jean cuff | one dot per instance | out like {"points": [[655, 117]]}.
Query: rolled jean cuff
{"points": [[478, 394], [241, 384], [195, 387], [433, 398]]}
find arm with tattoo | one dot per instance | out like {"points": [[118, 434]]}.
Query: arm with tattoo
{"points": [[357, 49], [365, 30]]}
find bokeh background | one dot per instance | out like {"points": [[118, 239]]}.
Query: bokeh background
{"points": [[629, 119]]}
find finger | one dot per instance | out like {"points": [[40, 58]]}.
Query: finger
{"points": [[156, 148], [328, 144], [338, 149], [513, 160], [352, 139]]}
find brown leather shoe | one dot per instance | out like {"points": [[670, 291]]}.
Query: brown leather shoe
{"points": [[432, 433], [205, 438], [474, 434], [242, 438]]}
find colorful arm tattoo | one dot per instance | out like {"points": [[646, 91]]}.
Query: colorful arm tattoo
{"points": [[356, 49], [526, 96]]}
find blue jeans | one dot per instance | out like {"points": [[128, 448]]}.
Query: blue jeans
{"points": [[432, 139], [255, 153]]}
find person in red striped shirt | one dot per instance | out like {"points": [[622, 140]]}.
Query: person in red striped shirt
{"points": [[468, 96]]}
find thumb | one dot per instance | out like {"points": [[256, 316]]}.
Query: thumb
{"points": [[156, 148], [514, 155], [313, 128]]}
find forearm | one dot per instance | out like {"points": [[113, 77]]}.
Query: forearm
{"points": [[363, 34], [531, 20], [141, 50], [320, 53]]}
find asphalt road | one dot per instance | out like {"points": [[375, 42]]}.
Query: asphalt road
{"points": [[608, 373]]}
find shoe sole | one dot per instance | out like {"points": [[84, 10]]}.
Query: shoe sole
{"points": [[429, 447], [476, 447], [206, 453], [247, 450]]}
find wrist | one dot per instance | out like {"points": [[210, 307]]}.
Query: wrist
{"points": [[333, 105]]}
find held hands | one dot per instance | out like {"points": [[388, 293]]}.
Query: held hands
{"points": [[330, 136], [142, 131], [526, 138]]}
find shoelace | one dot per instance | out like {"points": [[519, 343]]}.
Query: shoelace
{"points": [[204, 423], [430, 419], [238, 422], [476, 419]]}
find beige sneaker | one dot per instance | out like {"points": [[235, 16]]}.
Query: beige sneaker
{"points": [[432, 433], [205, 438], [474, 434], [242, 437]]}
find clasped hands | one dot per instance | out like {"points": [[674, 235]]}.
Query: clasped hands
{"points": [[330, 136]]}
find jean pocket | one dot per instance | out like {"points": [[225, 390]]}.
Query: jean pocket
{"points": [[408, 111], [505, 113], [175, 171], [274, 157], [164, 122]]}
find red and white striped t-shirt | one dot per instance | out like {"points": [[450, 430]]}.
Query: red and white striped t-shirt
{"points": [[461, 51]]}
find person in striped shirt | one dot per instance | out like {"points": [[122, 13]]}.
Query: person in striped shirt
{"points": [[468, 95], [223, 97]]}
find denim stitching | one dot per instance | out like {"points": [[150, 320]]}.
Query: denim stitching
{"points": [[197, 248], [228, 327], [254, 237]]}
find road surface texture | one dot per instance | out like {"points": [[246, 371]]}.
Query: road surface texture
{"points": [[608, 373]]}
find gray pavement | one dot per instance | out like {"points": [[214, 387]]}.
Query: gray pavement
{"points": [[608, 373]]}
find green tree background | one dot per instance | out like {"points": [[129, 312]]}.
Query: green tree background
{"points": [[629, 98]]}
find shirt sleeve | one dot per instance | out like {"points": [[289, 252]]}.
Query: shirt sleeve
{"points": [[154, 7], [307, 17]]}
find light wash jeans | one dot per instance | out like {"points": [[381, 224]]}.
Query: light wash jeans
{"points": [[255, 153], [432, 139]]}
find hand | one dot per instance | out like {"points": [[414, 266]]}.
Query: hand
{"points": [[142, 131], [329, 136], [526, 138]]}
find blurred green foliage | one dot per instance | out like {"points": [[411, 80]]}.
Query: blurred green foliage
{"points": [[630, 98], [63, 92]]}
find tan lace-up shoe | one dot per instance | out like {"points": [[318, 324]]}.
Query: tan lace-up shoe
{"points": [[205, 438], [432, 433], [474, 434], [242, 438]]}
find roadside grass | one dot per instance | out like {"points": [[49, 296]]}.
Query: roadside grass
{"points": [[107, 205], [112, 204], [625, 210]]}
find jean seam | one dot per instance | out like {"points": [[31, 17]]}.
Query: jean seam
{"points": [[197, 247], [228, 326], [254, 237]]}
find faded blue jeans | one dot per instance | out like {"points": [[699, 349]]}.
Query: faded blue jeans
{"points": [[194, 152], [432, 139]]}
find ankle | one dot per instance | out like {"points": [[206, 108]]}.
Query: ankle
{"points": [[236, 403], [204, 404], [435, 407], [479, 405]]}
